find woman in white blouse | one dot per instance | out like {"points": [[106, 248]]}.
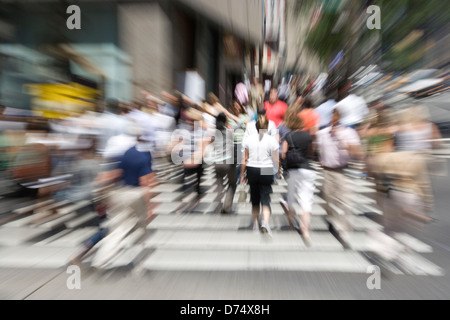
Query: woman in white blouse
{"points": [[261, 155]]}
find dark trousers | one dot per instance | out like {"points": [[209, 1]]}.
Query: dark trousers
{"points": [[190, 171], [260, 185], [222, 171]]}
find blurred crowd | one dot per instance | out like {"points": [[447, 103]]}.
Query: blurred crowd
{"points": [[269, 132]]}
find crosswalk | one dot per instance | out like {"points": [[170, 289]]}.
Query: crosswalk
{"points": [[189, 233]]}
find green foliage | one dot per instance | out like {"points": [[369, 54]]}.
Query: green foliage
{"points": [[398, 19], [321, 40]]}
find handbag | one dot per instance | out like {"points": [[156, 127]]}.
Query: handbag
{"points": [[294, 156], [242, 194]]}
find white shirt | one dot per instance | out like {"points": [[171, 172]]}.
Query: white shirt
{"points": [[333, 149], [260, 151], [325, 111], [210, 122], [145, 121], [117, 146], [251, 129], [352, 110]]}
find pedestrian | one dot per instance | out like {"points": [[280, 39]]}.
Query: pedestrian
{"points": [[261, 155], [296, 152], [257, 97], [405, 199], [283, 130], [284, 90], [352, 108], [416, 132], [111, 123], [310, 118], [220, 153], [275, 108], [337, 146], [325, 110], [238, 124], [128, 206], [193, 147], [241, 94]]}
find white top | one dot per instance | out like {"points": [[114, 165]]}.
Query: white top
{"points": [[145, 121], [260, 151], [325, 111], [415, 139], [352, 110], [209, 120], [251, 129], [117, 146], [333, 149]]}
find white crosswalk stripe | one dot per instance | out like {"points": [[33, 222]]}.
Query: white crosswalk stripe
{"points": [[189, 233]]}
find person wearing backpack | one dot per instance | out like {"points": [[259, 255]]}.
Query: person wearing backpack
{"points": [[296, 149]]}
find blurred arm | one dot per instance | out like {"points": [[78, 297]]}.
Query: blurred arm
{"points": [[149, 180], [436, 136], [243, 166], [108, 176], [284, 149], [276, 161], [219, 108]]}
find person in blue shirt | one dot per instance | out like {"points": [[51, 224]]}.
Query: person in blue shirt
{"points": [[136, 166], [134, 170]]}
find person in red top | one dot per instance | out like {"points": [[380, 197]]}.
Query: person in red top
{"points": [[310, 118], [275, 109]]}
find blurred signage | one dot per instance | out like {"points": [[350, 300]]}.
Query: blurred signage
{"points": [[58, 101]]}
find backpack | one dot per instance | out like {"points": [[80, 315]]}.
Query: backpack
{"points": [[294, 157]]}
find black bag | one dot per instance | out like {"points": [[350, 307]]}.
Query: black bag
{"points": [[294, 156]]}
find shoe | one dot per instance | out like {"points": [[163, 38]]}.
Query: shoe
{"points": [[307, 240], [266, 229]]}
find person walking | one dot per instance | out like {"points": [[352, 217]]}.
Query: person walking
{"points": [[220, 153], [310, 118], [296, 150], [238, 124], [283, 130], [275, 108], [325, 109], [337, 146], [261, 155]]}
